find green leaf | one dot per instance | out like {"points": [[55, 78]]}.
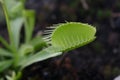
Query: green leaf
{"points": [[4, 52], [25, 49], [40, 56], [14, 18], [72, 35], [5, 64], [14, 76], [3, 3], [38, 43], [29, 24], [15, 10], [14, 7], [16, 26], [4, 42]]}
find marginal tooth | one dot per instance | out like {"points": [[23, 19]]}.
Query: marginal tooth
{"points": [[47, 33], [52, 27], [48, 40], [48, 30], [47, 37]]}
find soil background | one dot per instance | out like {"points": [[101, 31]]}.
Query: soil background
{"points": [[100, 60]]}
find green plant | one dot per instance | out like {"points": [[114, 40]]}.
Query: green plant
{"points": [[17, 55]]}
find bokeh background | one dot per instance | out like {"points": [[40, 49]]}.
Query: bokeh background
{"points": [[100, 60]]}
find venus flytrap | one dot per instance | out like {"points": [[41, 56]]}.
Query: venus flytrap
{"points": [[58, 39], [62, 38]]}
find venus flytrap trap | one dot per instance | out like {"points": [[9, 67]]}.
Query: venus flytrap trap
{"points": [[62, 38], [58, 39]]}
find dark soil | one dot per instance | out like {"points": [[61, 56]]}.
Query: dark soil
{"points": [[100, 60]]}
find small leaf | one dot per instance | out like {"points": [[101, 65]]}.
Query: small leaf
{"points": [[38, 43], [5, 64], [14, 7], [4, 52], [4, 42], [14, 76], [15, 10], [25, 49]]}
